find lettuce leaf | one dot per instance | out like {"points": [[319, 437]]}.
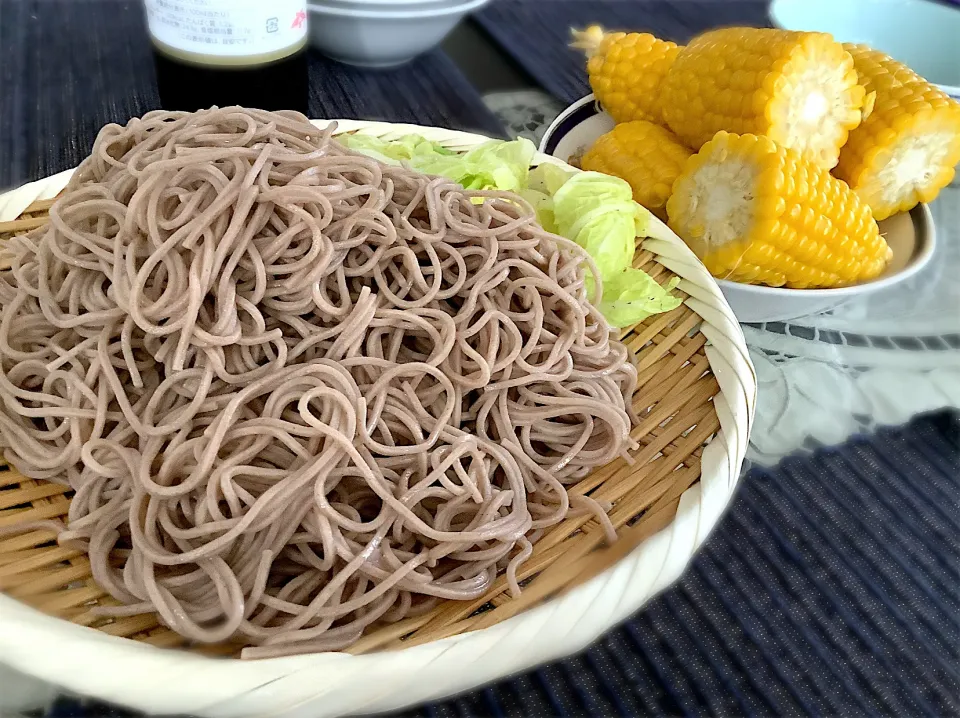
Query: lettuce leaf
{"points": [[493, 165], [542, 183], [598, 213], [542, 204], [395, 152], [548, 178], [632, 296]]}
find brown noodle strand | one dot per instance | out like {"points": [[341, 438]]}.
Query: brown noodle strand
{"points": [[298, 393]]}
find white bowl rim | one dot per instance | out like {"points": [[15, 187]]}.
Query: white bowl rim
{"points": [[463, 7], [921, 216]]}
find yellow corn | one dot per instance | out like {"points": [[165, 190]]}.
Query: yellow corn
{"points": [[759, 213], [797, 88], [906, 149], [646, 155], [625, 71]]}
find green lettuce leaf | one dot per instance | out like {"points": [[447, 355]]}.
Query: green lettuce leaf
{"points": [[548, 178], [598, 212], [632, 296], [395, 152], [493, 165], [542, 204], [542, 183]]}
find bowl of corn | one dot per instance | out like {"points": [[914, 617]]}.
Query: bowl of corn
{"points": [[795, 166]]}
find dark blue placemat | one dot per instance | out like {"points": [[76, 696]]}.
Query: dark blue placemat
{"points": [[536, 33], [829, 589], [67, 67]]}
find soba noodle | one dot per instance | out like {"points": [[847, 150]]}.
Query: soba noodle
{"points": [[298, 392]]}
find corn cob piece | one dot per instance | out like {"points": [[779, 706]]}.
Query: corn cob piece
{"points": [[646, 155], [906, 149], [625, 71], [759, 213], [797, 88]]}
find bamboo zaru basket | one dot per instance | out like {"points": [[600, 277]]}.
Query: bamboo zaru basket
{"points": [[695, 398]]}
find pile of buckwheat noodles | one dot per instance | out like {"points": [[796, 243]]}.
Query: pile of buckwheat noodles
{"points": [[298, 392]]}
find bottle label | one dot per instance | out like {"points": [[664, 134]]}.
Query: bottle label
{"points": [[228, 28]]}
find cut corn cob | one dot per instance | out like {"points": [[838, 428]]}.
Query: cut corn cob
{"points": [[646, 155], [797, 88], [759, 213], [625, 71], [906, 149]]}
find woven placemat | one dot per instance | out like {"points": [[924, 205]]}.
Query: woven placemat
{"points": [[536, 33], [70, 66], [829, 589]]}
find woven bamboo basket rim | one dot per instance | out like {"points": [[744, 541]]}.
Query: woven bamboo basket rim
{"points": [[695, 396]]}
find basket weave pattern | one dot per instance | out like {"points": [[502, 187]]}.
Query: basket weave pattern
{"points": [[676, 398]]}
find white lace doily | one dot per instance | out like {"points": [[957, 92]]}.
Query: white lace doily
{"points": [[876, 360]]}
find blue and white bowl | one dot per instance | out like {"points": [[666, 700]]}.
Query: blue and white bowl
{"points": [[910, 235]]}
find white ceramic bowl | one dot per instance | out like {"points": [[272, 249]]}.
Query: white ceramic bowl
{"points": [[387, 5], [911, 235], [380, 38], [923, 34]]}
